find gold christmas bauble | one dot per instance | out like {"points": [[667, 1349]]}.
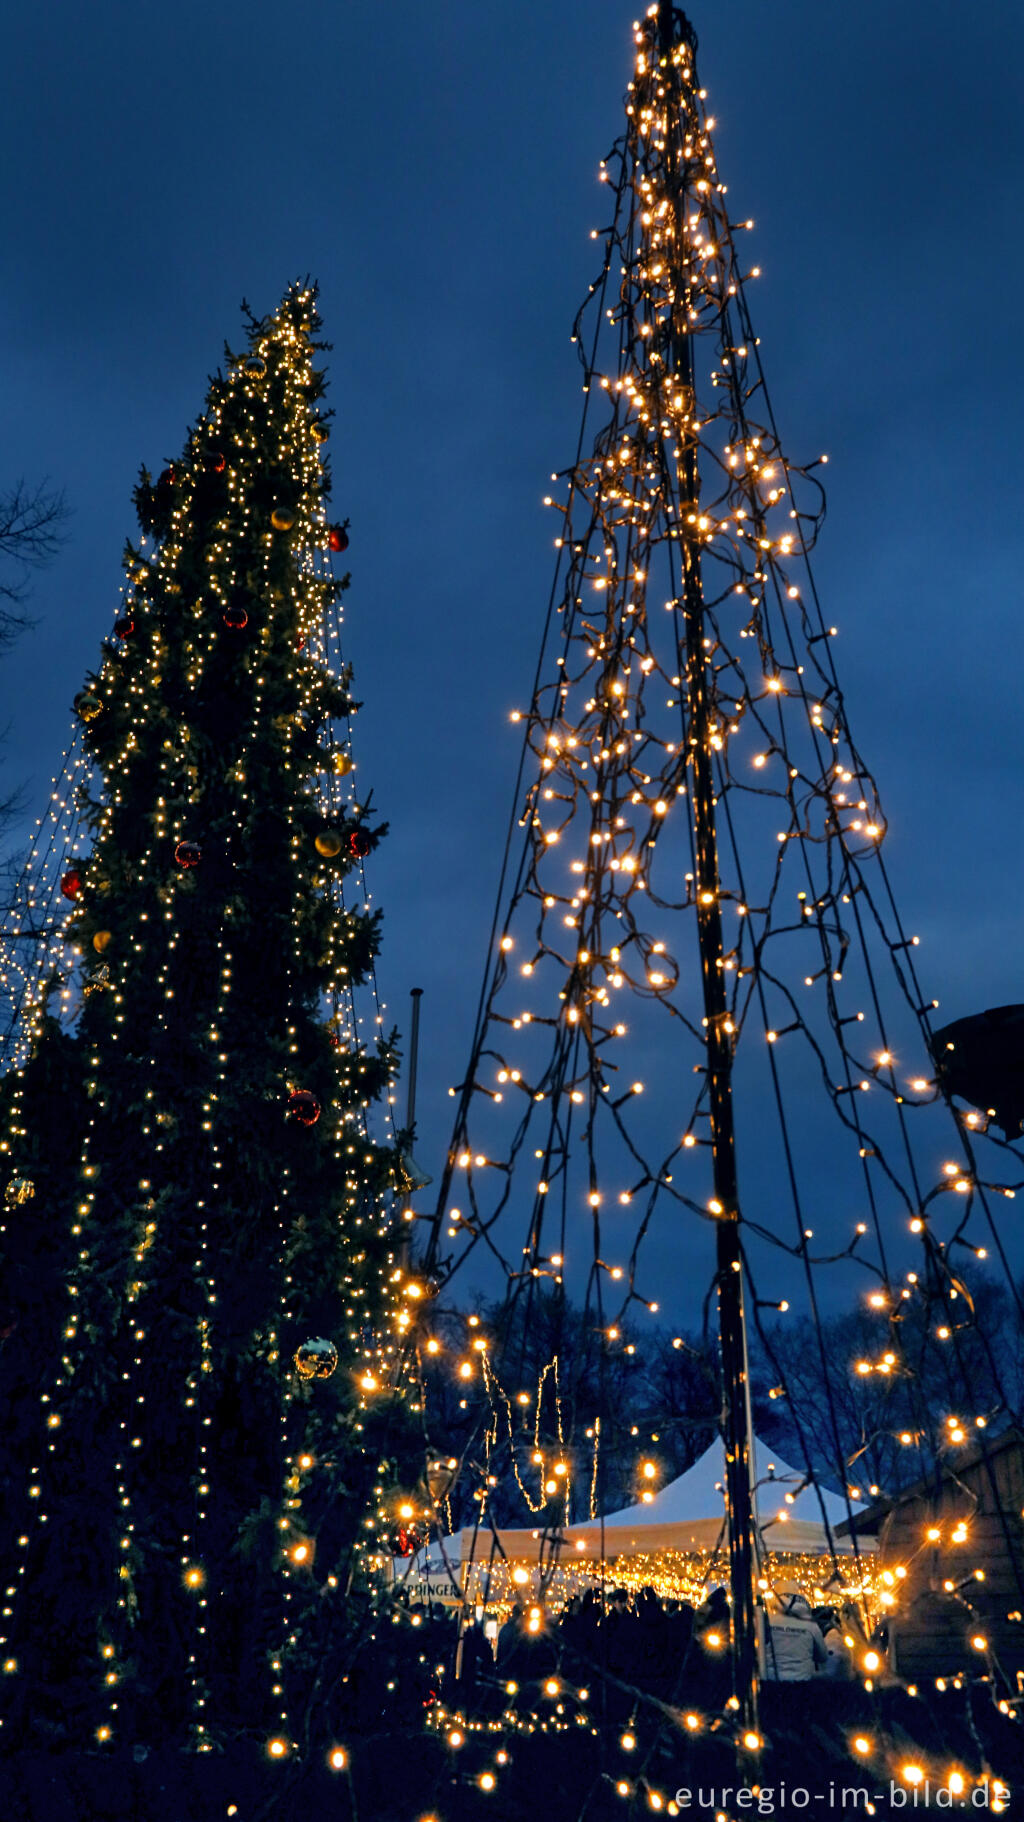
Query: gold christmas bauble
{"points": [[342, 765], [101, 940], [316, 1358], [328, 843], [282, 518]]}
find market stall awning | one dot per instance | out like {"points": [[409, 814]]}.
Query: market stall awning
{"points": [[687, 1515]]}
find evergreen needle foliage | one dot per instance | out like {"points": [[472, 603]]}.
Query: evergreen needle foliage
{"points": [[185, 1514]]}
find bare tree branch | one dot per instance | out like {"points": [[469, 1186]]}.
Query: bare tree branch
{"points": [[32, 530]]}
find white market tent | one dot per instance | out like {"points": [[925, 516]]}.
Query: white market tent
{"points": [[792, 1513], [687, 1515]]}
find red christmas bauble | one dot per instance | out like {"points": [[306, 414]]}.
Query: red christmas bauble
{"points": [[359, 843], [236, 617], [305, 1106], [337, 537], [72, 883], [124, 626], [405, 1540], [216, 460], [165, 478], [188, 853]]}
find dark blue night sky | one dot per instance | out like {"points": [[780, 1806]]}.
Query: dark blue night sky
{"points": [[434, 169]]}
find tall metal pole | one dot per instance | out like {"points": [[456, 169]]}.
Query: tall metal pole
{"points": [[736, 1419], [415, 994]]}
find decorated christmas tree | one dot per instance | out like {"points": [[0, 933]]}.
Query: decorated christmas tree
{"points": [[200, 1300]]}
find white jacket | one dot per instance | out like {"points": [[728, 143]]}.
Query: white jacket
{"points": [[793, 1649]]}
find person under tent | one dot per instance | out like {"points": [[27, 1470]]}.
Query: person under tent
{"points": [[792, 1649]]}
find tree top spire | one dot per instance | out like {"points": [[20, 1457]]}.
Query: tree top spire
{"points": [[672, 24]]}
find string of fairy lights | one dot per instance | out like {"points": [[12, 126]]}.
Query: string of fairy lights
{"points": [[579, 1162], [36, 915]]}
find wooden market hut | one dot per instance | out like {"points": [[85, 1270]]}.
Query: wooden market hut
{"points": [[959, 1535]]}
